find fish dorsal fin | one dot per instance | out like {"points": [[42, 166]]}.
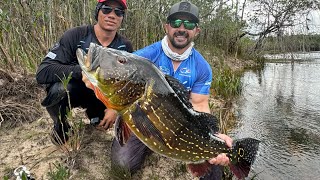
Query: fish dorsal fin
{"points": [[179, 89]]}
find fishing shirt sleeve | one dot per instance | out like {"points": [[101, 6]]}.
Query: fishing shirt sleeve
{"points": [[61, 59]]}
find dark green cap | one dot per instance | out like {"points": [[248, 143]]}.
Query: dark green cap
{"points": [[184, 8]]}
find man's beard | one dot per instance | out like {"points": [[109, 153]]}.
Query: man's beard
{"points": [[180, 33]]}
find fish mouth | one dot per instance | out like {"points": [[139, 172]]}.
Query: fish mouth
{"points": [[84, 62]]}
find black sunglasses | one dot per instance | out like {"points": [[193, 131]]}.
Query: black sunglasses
{"points": [[107, 9], [187, 24]]}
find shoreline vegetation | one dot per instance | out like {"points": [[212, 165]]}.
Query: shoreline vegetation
{"points": [[30, 28]]}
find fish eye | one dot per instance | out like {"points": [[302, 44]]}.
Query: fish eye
{"points": [[122, 60]]}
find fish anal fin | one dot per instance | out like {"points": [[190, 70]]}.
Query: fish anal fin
{"points": [[241, 171], [199, 170], [145, 125], [122, 131]]}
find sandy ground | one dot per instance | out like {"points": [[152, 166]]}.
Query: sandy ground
{"points": [[29, 144], [25, 130]]}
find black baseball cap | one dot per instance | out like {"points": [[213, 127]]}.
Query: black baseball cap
{"points": [[184, 8]]}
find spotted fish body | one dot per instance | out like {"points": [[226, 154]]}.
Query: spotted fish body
{"points": [[156, 109]]}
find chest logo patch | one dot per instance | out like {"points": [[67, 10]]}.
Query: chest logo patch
{"points": [[164, 69], [185, 71]]}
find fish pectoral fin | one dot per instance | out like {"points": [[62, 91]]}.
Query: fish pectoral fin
{"points": [[199, 170], [145, 125], [122, 131]]}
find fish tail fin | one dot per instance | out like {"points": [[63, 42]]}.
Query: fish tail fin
{"points": [[244, 152], [199, 169]]}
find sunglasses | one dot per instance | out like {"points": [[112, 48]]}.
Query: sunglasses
{"points": [[107, 9], [187, 24]]}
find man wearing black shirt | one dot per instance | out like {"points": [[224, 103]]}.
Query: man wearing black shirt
{"points": [[61, 61]]}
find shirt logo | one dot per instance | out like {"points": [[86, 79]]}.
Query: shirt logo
{"points": [[185, 71], [165, 70], [208, 83], [51, 55], [185, 6]]}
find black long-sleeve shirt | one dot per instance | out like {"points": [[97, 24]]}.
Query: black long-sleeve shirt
{"points": [[62, 60]]}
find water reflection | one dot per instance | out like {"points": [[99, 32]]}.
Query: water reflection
{"points": [[280, 105]]}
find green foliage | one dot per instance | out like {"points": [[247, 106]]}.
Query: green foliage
{"points": [[144, 22], [226, 83], [7, 172], [29, 28], [59, 172], [246, 47], [119, 173], [222, 30], [292, 43], [24, 176], [71, 148]]}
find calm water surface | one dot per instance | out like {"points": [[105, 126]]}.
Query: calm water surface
{"points": [[280, 106]]}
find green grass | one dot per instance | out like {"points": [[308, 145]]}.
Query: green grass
{"points": [[59, 172], [226, 83], [8, 173], [120, 173]]}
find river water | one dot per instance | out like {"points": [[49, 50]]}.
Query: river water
{"points": [[280, 105]]}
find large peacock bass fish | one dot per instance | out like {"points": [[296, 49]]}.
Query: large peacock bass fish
{"points": [[156, 108]]}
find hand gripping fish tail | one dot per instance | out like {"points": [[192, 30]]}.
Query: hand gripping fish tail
{"points": [[241, 155]]}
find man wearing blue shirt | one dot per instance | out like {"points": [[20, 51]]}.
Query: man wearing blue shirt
{"points": [[175, 55]]}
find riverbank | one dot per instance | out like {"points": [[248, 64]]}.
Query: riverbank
{"points": [[25, 128]]}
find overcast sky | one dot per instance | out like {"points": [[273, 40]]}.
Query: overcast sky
{"points": [[315, 22]]}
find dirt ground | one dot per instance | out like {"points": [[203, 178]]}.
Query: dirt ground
{"points": [[25, 130], [30, 145]]}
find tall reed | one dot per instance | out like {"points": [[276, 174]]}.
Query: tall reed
{"points": [[29, 28], [226, 83]]}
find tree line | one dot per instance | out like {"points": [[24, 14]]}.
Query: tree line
{"points": [[292, 43], [29, 27]]}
